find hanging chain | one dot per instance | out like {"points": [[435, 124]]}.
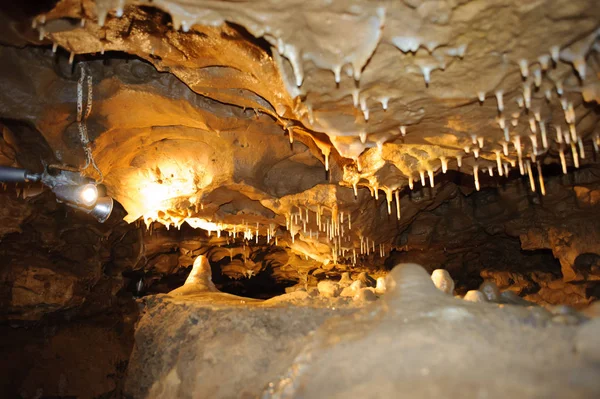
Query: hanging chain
{"points": [[85, 77]]}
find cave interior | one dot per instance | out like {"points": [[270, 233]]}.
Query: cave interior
{"points": [[285, 199]]}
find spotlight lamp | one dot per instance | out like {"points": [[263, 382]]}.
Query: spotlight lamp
{"points": [[69, 187], [84, 195]]}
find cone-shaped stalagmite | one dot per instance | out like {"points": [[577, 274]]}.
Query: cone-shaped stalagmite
{"points": [[199, 280]]}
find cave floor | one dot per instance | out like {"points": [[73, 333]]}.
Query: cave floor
{"points": [[415, 341]]}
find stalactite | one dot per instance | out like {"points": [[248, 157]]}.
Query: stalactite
{"points": [[541, 179]]}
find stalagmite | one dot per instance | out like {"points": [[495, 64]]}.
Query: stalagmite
{"points": [[476, 176], [198, 281], [380, 288], [443, 281], [475, 296], [490, 290]]}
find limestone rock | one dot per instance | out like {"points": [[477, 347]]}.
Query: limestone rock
{"points": [[353, 289], [475, 296], [37, 291], [380, 288], [366, 280], [164, 263], [593, 310], [345, 280], [442, 280], [491, 291], [365, 295], [513, 299], [328, 288], [587, 341]]}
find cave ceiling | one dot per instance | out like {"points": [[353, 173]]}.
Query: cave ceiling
{"points": [[305, 123]]}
